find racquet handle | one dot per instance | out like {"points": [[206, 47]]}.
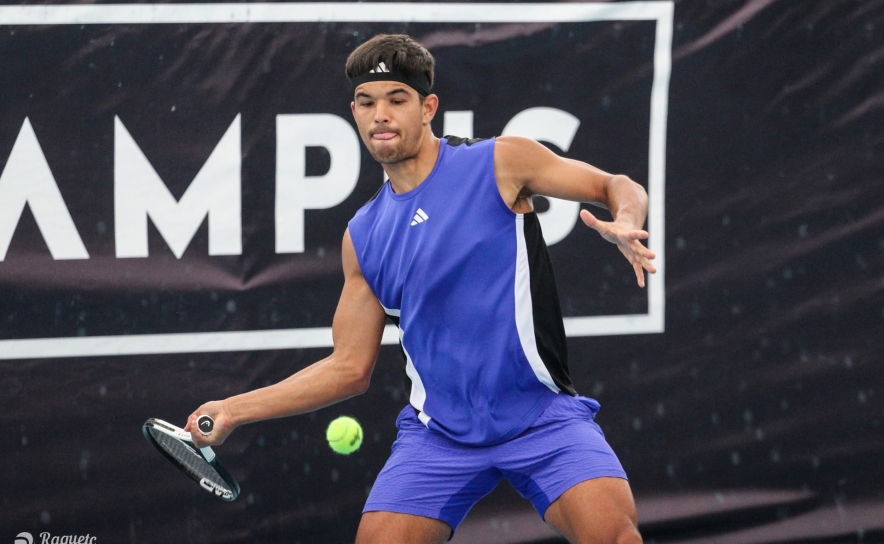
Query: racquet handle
{"points": [[205, 424]]}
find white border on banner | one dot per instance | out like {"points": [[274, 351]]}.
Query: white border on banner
{"points": [[660, 11]]}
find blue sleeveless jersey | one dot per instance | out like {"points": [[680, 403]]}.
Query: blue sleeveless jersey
{"points": [[470, 285]]}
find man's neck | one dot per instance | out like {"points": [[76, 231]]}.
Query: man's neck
{"points": [[408, 174]]}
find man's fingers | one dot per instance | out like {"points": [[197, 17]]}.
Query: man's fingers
{"points": [[642, 257], [646, 255], [628, 241], [639, 265], [589, 219], [639, 273], [641, 250]]}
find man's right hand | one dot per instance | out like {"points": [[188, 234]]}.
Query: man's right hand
{"points": [[224, 425]]}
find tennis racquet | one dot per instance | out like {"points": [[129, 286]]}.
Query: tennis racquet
{"points": [[201, 464]]}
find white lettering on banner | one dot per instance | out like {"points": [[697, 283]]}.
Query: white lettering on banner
{"points": [[558, 128], [295, 190], [27, 179], [661, 12], [215, 192]]}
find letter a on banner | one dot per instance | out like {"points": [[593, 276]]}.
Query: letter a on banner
{"points": [[139, 193], [26, 179]]}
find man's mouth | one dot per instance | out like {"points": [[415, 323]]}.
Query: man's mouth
{"points": [[383, 135]]}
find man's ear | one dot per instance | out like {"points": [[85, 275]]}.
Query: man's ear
{"points": [[430, 105], [353, 109]]}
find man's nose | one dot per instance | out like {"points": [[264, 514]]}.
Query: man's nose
{"points": [[381, 113]]}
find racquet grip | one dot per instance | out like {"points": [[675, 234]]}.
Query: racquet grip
{"points": [[205, 424]]}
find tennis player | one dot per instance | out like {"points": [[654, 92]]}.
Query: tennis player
{"points": [[451, 251]]}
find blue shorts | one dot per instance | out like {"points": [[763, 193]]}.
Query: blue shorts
{"points": [[430, 475]]}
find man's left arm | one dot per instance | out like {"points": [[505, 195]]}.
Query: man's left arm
{"points": [[525, 168]]}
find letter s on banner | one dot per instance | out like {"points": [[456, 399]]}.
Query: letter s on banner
{"points": [[295, 190], [558, 128]]}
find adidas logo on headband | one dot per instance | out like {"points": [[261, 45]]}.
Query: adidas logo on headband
{"points": [[419, 81]]}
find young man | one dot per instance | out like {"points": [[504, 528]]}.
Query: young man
{"points": [[451, 251]]}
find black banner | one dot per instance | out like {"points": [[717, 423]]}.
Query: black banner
{"points": [[176, 180]]}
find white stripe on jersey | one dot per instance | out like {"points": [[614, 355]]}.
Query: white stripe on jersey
{"points": [[525, 309], [418, 393]]}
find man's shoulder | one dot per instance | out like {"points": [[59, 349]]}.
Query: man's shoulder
{"points": [[459, 150]]}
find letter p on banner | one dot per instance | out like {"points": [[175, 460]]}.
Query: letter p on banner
{"points": [[295, 190]]}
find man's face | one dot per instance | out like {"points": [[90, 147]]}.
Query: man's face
{"points": [[390, 116]]}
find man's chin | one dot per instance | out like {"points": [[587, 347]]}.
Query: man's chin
{"points": [[390, 156]]}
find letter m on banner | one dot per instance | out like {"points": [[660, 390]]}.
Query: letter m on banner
{"points": [[215, 192]]}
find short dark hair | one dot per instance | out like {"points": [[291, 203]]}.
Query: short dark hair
{"points": [[398, 51]]}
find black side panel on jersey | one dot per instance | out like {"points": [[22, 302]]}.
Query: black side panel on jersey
{"points": [[455, 141], [394, 319], [549, 330]]}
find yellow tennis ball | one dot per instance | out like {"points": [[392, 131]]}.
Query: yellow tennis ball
{"points": [[344, 435]]}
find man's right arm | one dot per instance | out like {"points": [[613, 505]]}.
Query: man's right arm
{"points": [[356, 331]]}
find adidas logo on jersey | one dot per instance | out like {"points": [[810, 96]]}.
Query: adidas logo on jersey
{"points": [[419, 217], [382, 68]]}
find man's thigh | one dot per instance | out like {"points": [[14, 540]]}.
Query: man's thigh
{"points": [[391, 527], [429, 476], [601, 511], [564, 448]]}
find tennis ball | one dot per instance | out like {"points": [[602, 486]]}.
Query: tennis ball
{"points": [[344, 435]]}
